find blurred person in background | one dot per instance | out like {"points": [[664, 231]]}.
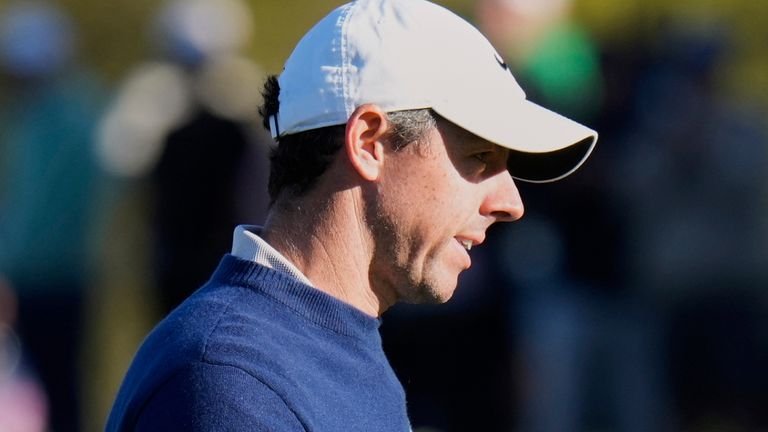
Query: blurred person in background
{"points": [[23, 403], [47, 120], [186, 121], [586, 347], [694, 190]]}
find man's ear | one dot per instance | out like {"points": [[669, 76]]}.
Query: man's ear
{"points": [[363, 140]]}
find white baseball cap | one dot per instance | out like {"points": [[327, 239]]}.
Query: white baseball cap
{"points": [[413, 54]]}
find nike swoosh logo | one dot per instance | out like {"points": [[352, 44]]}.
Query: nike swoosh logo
{"points": [[501, 62]]}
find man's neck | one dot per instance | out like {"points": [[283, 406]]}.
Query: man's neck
{"points": [[327, 241]]}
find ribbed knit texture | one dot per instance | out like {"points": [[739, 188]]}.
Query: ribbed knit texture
{"points": [[257, 350]]}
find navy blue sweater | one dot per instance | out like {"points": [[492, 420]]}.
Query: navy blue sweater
{"points": [[256, 350]]}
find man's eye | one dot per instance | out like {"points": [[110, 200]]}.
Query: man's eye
{"points": [[483, 157]]}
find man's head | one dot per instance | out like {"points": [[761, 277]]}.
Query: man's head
{"points": [[411, 55], [375, 77]]}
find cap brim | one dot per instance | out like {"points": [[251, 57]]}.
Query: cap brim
{"points": [[545, 145]]}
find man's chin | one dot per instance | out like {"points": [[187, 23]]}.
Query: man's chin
{"points": [[430, 294]]}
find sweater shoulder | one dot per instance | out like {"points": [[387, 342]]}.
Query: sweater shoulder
{"points": [[203, 396]]}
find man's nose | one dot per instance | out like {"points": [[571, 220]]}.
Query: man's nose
{"points": [[503, 201]]}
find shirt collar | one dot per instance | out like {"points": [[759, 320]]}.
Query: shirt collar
{"points": [[247, 245]]}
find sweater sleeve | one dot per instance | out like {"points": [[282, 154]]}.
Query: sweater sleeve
{"points": [[207, 397]]}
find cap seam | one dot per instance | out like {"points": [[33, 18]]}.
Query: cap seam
{"points": [[345, 20]]}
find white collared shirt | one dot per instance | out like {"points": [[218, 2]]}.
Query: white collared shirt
{"points": [[247, 245]]}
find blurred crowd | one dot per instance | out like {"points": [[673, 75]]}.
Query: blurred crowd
{"points": [[629, 298]]}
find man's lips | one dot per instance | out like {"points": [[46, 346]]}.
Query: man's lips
{"points": [[468, 242]]}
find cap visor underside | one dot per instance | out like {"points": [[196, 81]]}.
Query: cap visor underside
{"points": [[546, 146]]}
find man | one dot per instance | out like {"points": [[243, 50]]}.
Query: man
{"points": [[399, 131]]}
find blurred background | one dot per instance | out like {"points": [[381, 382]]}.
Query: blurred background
{"points": [[631, 297]]}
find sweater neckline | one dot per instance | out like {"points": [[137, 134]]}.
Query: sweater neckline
{"points": [[309, 302]]}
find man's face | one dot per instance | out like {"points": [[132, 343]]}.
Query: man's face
{"points": [[434, 200]]}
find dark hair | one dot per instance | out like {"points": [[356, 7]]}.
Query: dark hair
{"points": [[299, 159]]}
